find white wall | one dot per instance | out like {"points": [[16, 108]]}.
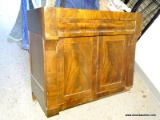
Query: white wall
{"points": [[36, 3], [50, 3], [9, 7], [148, 53]]}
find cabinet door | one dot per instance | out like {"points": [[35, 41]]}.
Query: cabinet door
{"points": [[76, 65], [112, 56]]}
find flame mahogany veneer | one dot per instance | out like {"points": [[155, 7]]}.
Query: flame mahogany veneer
{"points": [[77, 56]]}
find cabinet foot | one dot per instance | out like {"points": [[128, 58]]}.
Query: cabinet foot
{"points": [[52, 112], [128, 88], [33, 97]]}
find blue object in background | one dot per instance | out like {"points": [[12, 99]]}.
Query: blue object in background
{"points": [[24, 25], [79, 4]]}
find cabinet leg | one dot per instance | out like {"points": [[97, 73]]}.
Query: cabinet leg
{"points": [[128, 88], [33, 97]]}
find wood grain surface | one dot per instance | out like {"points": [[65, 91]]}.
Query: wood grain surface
{"points": [[78, 55]]}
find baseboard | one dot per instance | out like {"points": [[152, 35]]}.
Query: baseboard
{"points": [[148, 82]]}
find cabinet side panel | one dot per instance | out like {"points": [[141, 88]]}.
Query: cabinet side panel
{"points": [[38, 92], [37, 62], [37, 68], [34, 20]]}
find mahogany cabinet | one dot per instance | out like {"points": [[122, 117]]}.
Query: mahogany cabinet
{"points": [[77, 56]]}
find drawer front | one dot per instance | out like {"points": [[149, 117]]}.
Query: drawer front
{"points": [[76, 22], [89, 27]]}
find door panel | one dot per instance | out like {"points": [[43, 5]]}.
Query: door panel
{"points": [[77, 68], [111, 61]]}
